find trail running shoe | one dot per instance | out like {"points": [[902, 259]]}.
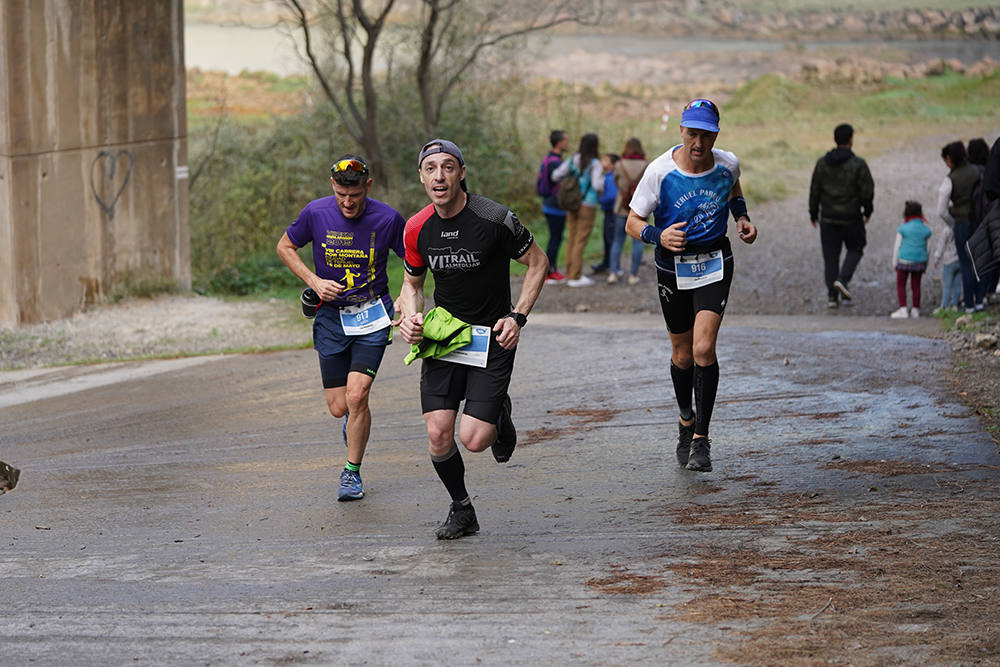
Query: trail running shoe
{"points": [[684, 435], [506, 434], [700, 460], [461, 521], [351, 487]]}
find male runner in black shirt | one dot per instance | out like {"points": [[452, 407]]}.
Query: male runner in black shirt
{"points": [[467, 241]]}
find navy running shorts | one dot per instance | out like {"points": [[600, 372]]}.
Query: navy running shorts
{"points": [[340, 354]]}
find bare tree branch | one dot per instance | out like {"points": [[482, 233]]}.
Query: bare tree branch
{"points": [[359, 117], [303, 22], [447, 53]]}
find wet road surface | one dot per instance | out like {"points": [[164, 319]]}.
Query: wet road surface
{"points": [[185, 511]]}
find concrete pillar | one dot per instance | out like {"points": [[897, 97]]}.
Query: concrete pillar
{"points": [[93, 152]]}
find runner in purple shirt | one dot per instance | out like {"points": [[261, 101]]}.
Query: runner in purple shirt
{"points": [[352, 236]]}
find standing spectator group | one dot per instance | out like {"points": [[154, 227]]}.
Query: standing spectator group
{"points": [[607, 181], [964, 198]]}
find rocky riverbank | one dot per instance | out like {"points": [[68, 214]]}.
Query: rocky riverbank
{"points": [[683, 16]]}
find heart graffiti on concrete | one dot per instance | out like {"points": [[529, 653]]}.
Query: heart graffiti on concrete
{"points": [[110, 177]]}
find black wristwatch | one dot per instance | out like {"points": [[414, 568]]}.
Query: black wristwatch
{"points": [[518, 317]]}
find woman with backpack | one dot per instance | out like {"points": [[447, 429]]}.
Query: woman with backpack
{"points": [[628, 171], [581, 182]]}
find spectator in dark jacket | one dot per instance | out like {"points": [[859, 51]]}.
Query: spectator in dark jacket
{"points": [[955, 207], [979, 155], [840, 204], [991, 179]]}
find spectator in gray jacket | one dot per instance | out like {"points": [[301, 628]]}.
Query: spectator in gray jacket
{"points": [[840, 204]]}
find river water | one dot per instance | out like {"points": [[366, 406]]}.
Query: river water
{"points": [[235, 48]]}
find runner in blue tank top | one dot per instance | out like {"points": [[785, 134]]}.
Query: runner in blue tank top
{"points": [[690, 191]]}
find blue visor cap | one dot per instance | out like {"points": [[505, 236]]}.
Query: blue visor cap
{"points": [[700, 118]]}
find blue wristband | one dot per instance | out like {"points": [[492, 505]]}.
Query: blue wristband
{"points": [[650, 235], [739, 208]]}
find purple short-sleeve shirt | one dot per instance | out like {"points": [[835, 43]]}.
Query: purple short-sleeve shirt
{"points": [[353, 252]]}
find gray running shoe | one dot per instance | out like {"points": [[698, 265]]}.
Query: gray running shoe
{"points": [[684, 435], [842, 290], [700, 460], [461, 521], [506, 434]]}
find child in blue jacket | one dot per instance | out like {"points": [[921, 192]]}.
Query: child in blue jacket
{"points": [[909, 257]]}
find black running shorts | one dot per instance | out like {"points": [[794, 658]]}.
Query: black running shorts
{"points": [[680, 306], [444, 385]]}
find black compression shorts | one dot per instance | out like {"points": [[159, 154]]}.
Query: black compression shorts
{"points": [[680, 306]]}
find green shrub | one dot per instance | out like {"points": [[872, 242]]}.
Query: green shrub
{"points": [[255, 177]]}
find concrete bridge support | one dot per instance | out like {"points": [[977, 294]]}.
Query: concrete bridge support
{"points": [[93, 154]]}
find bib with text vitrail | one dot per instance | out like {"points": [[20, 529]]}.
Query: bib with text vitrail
{"points": [[475, 353], [695, 271], [364, 318]]}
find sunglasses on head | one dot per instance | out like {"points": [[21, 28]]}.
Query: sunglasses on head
{"points": [[356, 166], [705, 104]]}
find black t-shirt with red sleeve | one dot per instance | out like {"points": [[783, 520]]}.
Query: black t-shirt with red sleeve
{"points": [[469, 256]]}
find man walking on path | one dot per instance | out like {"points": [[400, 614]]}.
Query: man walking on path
{"points": [[690, 190], [467, 242], [840, 204], [352, 236]]}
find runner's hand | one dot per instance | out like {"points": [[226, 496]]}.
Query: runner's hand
{"points": [[412, 328], [508, 332], [397, 316], [328, 290], [746, 230], [673, 237]]}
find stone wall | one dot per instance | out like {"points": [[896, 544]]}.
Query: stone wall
{"points": [[93, 163]]}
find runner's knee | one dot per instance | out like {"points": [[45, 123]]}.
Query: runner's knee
{"points": [[357, 398], [682, 357], [440, 435], [336, 406], [476, 436], [704, 352]]}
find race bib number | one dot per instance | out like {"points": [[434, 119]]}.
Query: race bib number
{"points": [[698, 270], [364, 318], [473, 354]]}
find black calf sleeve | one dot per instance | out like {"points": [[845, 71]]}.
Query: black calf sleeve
{"points": [[683, 379], [451, 470], [706, 384]]}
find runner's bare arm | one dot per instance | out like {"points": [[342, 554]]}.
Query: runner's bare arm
{"points": [[746, 230], [411, 308], [672, 238], [328, 290], [538, 265]]}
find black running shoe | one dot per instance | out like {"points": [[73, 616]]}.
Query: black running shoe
{"points": [[684, 435], [461, 521], [506, 434], [699, 459]]}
